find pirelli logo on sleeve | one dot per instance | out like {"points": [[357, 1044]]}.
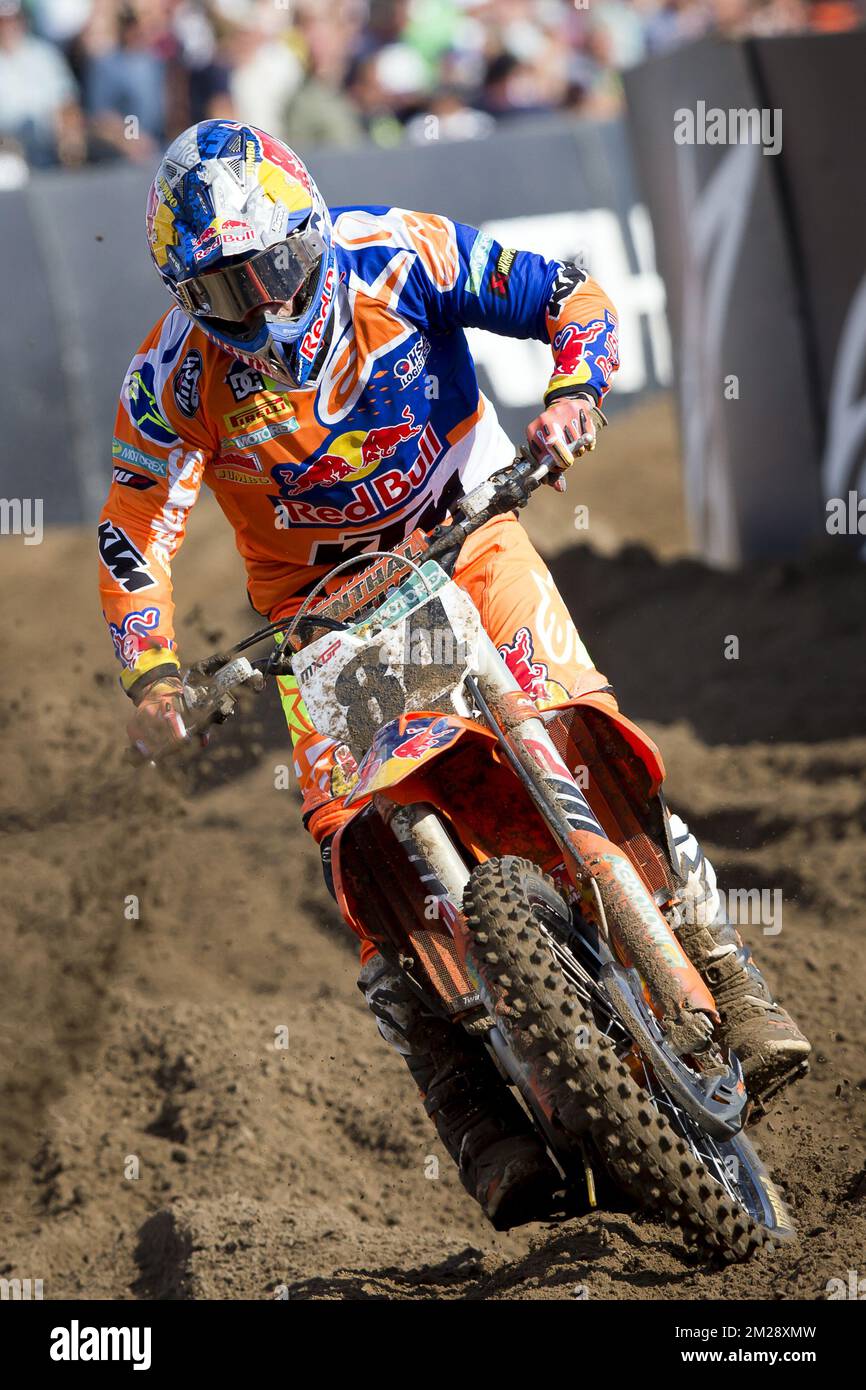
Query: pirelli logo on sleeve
{"points": [[265, 411]]}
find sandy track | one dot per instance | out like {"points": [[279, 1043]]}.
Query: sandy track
{"points": [[151, 1040]]}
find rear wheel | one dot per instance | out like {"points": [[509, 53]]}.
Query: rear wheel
{"points": [[583, 1088]]}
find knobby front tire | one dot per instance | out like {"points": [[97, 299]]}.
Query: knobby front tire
{"points": [[583, 1086]]}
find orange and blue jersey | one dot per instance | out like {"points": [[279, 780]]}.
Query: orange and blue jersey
{"points": [[394, 430]]}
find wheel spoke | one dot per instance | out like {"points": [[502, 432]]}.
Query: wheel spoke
{"points": [[608, 1021]]}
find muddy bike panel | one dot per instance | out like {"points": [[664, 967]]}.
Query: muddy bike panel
{"points": [[413, 653]]}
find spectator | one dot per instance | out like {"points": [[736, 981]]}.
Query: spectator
{"points": [[780, 17], [204, 88], [387, 23], [389, 88], [835, 16], [265, 69], [733, 18], [319, 112], [60, 21], [449, 117], [625, 27], [676, 23], [125, 84], [333, 72], [39, 108], [512, 86]]}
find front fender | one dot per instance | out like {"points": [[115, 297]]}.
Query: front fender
{"points": [[406, 744]]}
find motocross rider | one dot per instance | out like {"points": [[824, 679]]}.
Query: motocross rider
{"points": [[314, 372]]}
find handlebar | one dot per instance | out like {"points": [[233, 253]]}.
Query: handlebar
{"points": [[210, 684]]}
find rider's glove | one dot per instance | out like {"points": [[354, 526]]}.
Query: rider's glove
{"points": [[159, 721], [566, 430]]}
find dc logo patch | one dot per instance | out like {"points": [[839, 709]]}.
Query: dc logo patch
{"points": [[244, 381]]}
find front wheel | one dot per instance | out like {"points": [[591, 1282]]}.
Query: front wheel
{"points": [[577, 1083]]}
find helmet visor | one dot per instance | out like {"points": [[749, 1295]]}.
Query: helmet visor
{"points": [[274, 276]]}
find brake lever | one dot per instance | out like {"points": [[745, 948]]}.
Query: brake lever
{"points": [[239, 671], [212, 703], [506, 491]]}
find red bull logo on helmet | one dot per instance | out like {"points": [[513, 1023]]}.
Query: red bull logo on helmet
{"points": [[226, 233], [310, 346], [284, 158]]}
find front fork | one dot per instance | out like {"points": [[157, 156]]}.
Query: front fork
{"points": [[440, 867], [624, 909]]}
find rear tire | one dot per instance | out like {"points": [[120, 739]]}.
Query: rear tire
{"points": [[583, 1087]]}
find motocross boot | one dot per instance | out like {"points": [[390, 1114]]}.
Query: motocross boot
{"points": [[501, 1160], [771, 1048]]}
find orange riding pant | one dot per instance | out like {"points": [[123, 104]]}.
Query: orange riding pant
{"points": [[521, 610]]}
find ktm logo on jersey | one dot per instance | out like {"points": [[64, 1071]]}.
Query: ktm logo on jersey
{"points": [[123, 560]]}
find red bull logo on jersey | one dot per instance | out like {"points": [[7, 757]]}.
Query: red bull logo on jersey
{"points": [[530, 675], [325, 471], [352, 455], [607, 360], [571, 343], [382, 442], [578, 350], [135, 634], [343, 492]]}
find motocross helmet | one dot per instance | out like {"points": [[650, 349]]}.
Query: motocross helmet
{"points": [[241, 237]]}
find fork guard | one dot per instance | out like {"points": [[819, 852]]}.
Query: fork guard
{"points": [[507, 822], [720, 1104]]}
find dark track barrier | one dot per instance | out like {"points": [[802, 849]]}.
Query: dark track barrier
{"points": [[763, 261]]}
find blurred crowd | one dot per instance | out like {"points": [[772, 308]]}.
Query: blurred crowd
{"points": [[90, 80]]}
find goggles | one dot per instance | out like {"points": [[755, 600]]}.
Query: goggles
{"points": [[273, 276]]}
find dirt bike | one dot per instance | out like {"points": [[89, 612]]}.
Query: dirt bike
{"points": [[515, 864]]}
